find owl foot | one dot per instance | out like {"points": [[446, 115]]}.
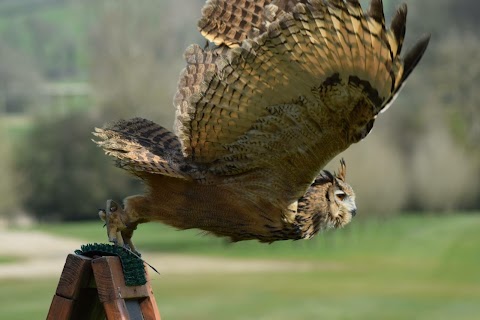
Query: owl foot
{"points": [[119, 230]]}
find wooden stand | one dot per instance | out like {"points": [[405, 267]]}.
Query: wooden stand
{"points": [[95, 289]]}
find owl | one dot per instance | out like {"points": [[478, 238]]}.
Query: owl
{"points": [[281, 88]]}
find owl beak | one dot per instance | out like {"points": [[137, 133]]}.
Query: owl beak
{"points": [[354, 212]]}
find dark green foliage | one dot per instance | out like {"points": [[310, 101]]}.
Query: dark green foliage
{"points": [[132, 265], [64, 175]]}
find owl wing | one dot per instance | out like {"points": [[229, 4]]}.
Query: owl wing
{"points": [[229, 23], [140, 145], [282, 101]]}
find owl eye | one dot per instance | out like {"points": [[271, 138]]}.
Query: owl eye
{"points": [[340, 195]]}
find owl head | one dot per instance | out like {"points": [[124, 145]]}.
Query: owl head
{"points": [[341, 198], [339, 207]]}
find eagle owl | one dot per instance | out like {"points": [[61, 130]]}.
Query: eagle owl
{"points": [[282, 87]]}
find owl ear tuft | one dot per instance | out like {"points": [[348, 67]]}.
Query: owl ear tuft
{"points": [[324, 177], [342, 172]]}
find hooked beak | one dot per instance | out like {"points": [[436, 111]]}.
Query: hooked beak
{"points": [[354, 212]]}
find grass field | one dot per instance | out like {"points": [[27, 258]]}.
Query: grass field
{"points": [[407, 267]]}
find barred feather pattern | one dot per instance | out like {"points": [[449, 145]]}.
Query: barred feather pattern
{"points": [[231, 22], [141, 145], [300, 92]]}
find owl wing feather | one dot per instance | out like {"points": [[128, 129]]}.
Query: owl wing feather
{"points": [[140, 145], [229, 23], [281, 102]]}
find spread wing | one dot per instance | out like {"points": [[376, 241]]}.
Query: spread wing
{"points": [[289, 85], [140, 145]]}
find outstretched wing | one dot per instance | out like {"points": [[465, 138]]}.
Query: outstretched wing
{"points": [[140, 145], [282, 100]]}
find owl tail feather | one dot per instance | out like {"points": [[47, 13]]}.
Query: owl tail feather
{"points": [[140, 146]]}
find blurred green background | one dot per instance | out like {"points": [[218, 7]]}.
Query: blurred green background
{"points": [[413, 251]]}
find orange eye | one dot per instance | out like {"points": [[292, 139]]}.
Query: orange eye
{"points": [[341, 196]]}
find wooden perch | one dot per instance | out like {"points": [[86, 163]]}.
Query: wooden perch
{"points": [[94, 288]]}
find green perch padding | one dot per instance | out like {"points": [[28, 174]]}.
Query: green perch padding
{"points": [[133, 268]]}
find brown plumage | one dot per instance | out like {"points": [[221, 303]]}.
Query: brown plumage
{"points": [[286, 87]]}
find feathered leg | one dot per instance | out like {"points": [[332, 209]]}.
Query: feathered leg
{"points": [[120, 224]]}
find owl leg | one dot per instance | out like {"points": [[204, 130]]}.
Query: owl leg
{"points": [[119, 228]]}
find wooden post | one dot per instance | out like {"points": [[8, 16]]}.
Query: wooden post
{"points": [[95, 289]]}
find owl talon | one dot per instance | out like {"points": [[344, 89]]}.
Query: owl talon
{"points": [[113, 218], [119, 232]]}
